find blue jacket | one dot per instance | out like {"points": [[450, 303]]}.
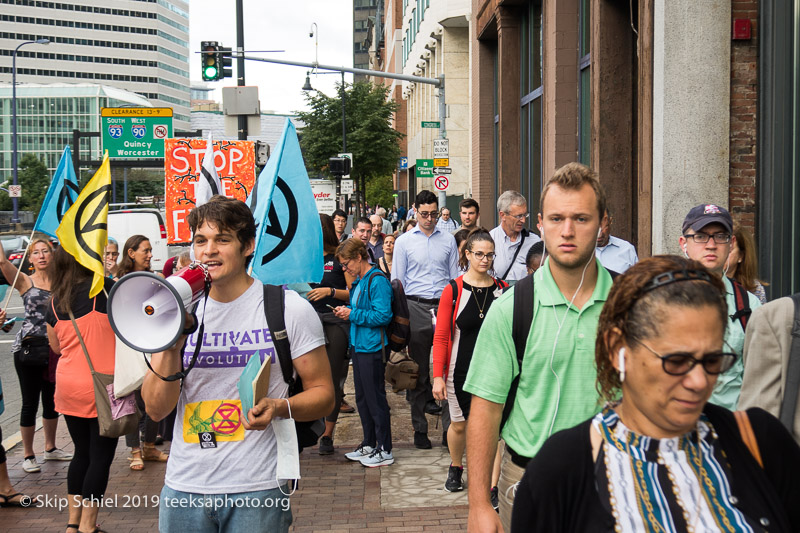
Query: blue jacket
{"points": [[370, 311]]}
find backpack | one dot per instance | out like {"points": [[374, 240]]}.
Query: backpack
{"points": [[743, 310], [308, 433], [398, 332], [791, 385]]}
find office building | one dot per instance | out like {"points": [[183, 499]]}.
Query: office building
{"points": [[139, 46]]}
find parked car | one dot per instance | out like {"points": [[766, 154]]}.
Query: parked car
{"points": [[15, 246], [124, 223]]}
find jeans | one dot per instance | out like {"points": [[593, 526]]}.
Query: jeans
{"points": [[266, 511]]}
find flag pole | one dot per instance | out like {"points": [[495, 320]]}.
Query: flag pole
{"points": [[21, 262]]}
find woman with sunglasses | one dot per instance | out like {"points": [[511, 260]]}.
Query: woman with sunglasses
{"points": [[462, 308], [659, 457]]}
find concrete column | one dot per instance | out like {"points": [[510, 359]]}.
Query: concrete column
{"points": [[560, 114], [508, 42], [691, 112], [482, 117]]}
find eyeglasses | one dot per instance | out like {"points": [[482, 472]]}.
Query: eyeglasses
{"points": [[719, 238], [346, 264], [680, 363], [480, 256], [519, 217], [428, 214]]}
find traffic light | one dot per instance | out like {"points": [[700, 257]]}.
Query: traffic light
{"points": [[226, 59], [211, 59]]}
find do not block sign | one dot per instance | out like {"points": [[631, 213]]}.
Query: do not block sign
{"points": [[441, 183]]}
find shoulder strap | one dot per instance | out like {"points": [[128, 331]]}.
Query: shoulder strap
{"points": [[454, 288], [520, 328], [274, 306], [792, 383], [513, 259], [743, 310], [80, 338], [748, 437]]}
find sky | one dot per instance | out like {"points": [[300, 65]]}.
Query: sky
{"points": [[276, 25]]}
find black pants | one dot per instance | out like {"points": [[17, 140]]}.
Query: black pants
{"points": [[337, 344], [34, 382], [419, 348], [373, 409], [146, 425], [88, 470]]}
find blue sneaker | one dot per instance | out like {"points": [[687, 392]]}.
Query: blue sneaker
{"points": [[378, 458], [358, 453]]}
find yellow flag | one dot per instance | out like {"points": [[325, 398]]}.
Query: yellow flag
{"points": [[83, 230]]}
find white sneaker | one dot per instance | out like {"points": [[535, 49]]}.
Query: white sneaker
{"points": [[358, 453], [57, 455], [378, 458], [30, 465]]}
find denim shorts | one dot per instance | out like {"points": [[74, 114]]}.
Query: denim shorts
{"points": [[254, 512]]}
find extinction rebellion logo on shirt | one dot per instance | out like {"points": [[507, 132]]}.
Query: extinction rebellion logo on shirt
{"points": [[231, 349]]}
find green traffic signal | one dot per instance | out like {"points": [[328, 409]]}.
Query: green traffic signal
{"points": [[210, 73]]}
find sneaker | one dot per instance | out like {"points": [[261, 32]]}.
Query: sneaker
{"points": [[493, 495], [326, 446], [422, 441], [57, 455], [377, 458], [30, 465], [453, 483], [358, 453]]}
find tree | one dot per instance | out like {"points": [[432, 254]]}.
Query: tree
{"points": [[34, 179], [371, 138]]}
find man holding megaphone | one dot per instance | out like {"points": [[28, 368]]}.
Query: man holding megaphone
{"points": [[221, 458]]}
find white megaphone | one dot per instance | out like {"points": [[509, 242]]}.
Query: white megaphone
{"points": [[148, 312]]}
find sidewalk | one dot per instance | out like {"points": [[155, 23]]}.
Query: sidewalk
{"points": [[335, 495]]}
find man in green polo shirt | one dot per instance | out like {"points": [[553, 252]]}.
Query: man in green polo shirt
{"points": [[557, 382], [707, 236]]}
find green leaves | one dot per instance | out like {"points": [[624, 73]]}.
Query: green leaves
{"points": [[372, 140]]}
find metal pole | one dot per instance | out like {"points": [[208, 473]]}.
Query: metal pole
{"points": [[375, 73], [14, 201], [344, 141], [442, 131], [240, 62]]}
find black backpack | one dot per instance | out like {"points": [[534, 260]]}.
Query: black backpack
{"points": [[398, 332], [308, 433]]}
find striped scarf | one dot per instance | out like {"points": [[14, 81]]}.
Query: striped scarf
{"points": [[668, 485]]}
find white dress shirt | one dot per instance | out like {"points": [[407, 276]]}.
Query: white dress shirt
{"points": [[618, 255], [505, 249]]}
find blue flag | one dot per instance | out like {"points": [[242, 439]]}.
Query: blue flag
{"points": [[60, 196], [289, 233]]}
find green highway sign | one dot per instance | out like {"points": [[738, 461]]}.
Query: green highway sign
{"points": [[424, 168], [135, 132], [432, 124]]}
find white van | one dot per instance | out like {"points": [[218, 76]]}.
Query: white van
{"points": [[125, 223]]}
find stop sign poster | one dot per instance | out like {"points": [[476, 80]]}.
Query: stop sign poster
{"points": [[236, 167]]}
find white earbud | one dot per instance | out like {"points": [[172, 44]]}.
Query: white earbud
{"points": [[621, 354], [599, 232], [685, 253]]}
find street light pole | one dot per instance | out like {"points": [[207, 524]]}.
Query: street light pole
{"points": [[15, 201]]}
